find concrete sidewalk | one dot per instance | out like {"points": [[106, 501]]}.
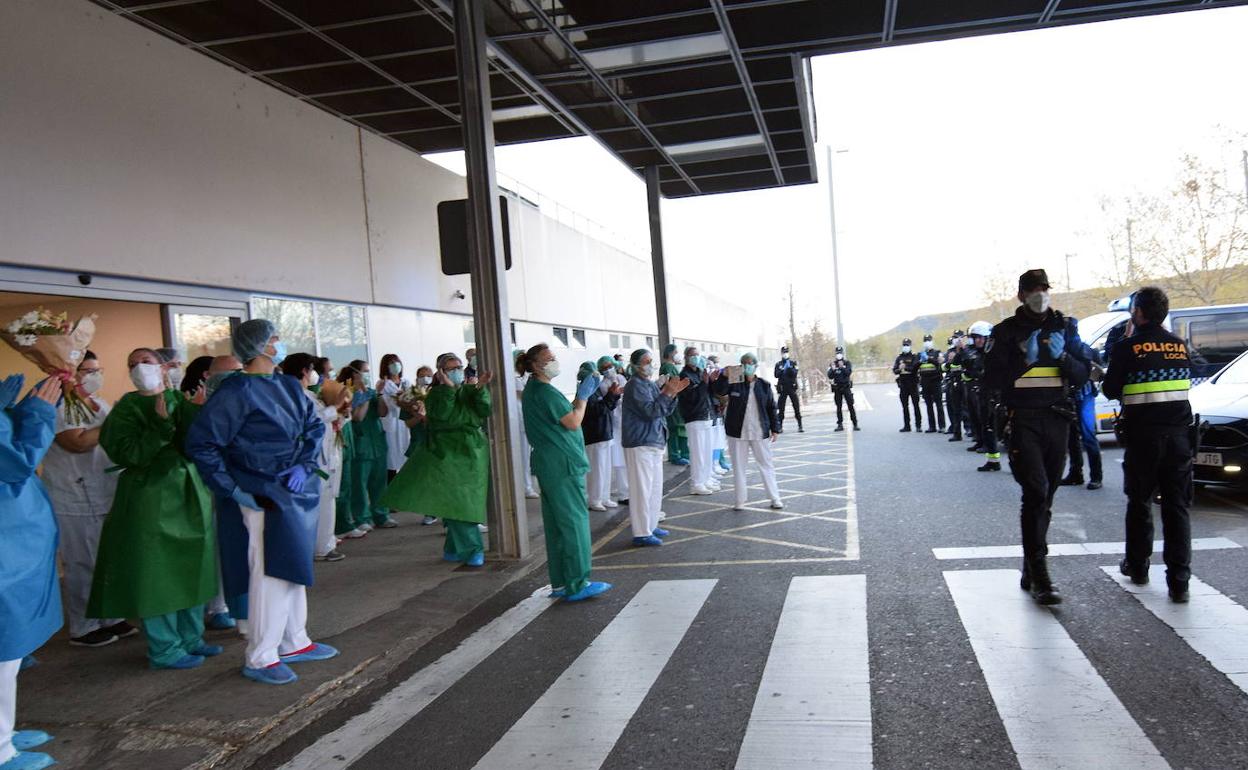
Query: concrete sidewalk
{"points": [[389, 597]]}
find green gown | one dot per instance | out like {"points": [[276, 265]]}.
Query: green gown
{"points": [[677, 434], [368, 467], [559, 463], [344, 516], [446, 475], [157, 551]]}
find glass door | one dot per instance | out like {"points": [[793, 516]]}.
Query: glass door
{"points": [[201, 331]]}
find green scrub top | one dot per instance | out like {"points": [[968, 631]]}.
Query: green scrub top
{"points": [[370, 437], [557, 451]]}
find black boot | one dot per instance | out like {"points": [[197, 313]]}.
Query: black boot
{"points": [[930, 430], [954, 437], [976, 448], [1094, 484], [1177, 590], [906, 429], [840, 426], [991, 465], [800, 429], [1041, 586], [1072, 480], [1138, 575], [856, 427]]}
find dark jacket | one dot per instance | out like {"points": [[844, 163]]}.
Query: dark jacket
{"points": [[906, 366], [599, 424], [1151, 373], [694, 402], [786, 376], [842, 374], [1007, 372], [737, 393], [930, 367], [971, 359]]}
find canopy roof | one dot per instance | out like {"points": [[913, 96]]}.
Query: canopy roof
{"points": [[716, 93]]}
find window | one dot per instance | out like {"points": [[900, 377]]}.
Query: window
{"points": [[293, 320], [470, 331], [579, 336], [342, 333], [615, 341], [626, 341], [513, 335], [1215, 340], [650, 343], [561, 334]]}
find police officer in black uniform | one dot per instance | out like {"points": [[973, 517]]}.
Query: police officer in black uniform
{"points": [[906, 367], [955, 388], [841, 373], [977, 405], [1031, 360], [786, 385], [1150, 373], [931, 372]]}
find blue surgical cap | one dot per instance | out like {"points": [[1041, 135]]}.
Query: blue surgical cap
{"points": [[638, 354], [252, 337]]}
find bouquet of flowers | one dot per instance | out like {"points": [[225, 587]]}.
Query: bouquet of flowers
{"points": [[56, 346], [410, 396]]}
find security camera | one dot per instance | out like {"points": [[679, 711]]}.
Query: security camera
{"points": [[458, 294], [84, 279]]}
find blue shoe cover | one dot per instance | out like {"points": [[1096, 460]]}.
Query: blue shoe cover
{"points": [[451, 558], [557, 593], [279, 674], [660, 532], [592, 589], [221, 621], [649, 540], [476, 560], [28, 760], [28, 739], [30, 661], [680, 461], [317, 652], [184, 662], [207, 650]]}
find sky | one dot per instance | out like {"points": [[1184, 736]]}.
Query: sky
{"points": [[960, 158]]}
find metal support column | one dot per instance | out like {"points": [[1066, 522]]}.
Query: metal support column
{"points": [[836, 265], [505, 503], [656, 259]]}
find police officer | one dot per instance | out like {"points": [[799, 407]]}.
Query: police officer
{"points": [[906, 367], [1150, 372], [955, 388], [931, 372], [1083, 433], [841, 373], [1031, 360], [786, 384], [982, 428]]}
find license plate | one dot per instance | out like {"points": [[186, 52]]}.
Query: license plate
{"points": [[1209, 458]]}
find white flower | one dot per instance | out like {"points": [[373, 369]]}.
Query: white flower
{"points": [[30, 318], [15, 327], [26, 340]]}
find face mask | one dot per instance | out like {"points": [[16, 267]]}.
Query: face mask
{"points": [[697, 362], [214, 381], [91, 382], [314, 378], [646, 371], [551, 370], [905, 348], [927, 344], [333, 374], [395, 368], [1038, 301], [840, 356], [786, 356], [425, 381], [279, 352], [146, 376], [749, 369], [175, 378], [473, 362], [456, 376]]}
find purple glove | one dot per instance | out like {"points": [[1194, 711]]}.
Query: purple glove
{"points": [[295, 477]]}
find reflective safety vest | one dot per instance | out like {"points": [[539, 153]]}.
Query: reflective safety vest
{"points": [[1155, 386], [1041, 377]]}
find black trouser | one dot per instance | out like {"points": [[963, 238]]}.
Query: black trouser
{"points": [[956, 398], [1159, 462], [1037, 458], [797, 408], [973, 396], [909, 390], [935, 407], [845, 394], [1083, 437], [988, 427]]}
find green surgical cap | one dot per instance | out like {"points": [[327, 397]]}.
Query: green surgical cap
{"points": [[587, 369], [251, 338], [750, 356]]}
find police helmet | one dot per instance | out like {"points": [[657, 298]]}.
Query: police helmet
{"points": [[981, 329], [840, 349], [906, 341]]}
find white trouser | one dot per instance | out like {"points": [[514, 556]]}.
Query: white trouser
{"points": [[701, 445], [598, 482], [526, 470], [8, 707], [761, 449], [277, 609], [325, 539], [721, 437], [80, 540], [645, 478], [619, 471]]}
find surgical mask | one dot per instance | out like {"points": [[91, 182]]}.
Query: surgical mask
{"points": [[840, 356], [551, 370], [927, 345], [697, 362], [395, 368], [456, 376], [786, 356], [279, 352], [472, 361], [175, 378], [146, 376], [91, 382], [425, 381], [333, 374], [646, 371], [314, 378], [749, 369], [905, 348], [1037, 301]]}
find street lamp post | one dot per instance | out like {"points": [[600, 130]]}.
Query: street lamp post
{"points": [[836, 270]]}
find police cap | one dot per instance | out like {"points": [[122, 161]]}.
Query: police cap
{"points": [[1032, 280]]}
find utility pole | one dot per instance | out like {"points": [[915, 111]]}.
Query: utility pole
{"points": [[1130, 257], [793, 343], [1068, 289], [836, 271]]}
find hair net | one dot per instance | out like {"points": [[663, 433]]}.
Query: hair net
{"points": [[606, 361], [444, 358], [169, 354], [515, 355], [750, 356], [638, 354], [587, 369], [252, 337], [670, 349]]}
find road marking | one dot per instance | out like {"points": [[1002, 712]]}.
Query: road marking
{"points": [[813, 707], [363, 732], [1211, 623], [1057, 710], [677, 564], [578, 720], [851, 502], [1070, 549]]}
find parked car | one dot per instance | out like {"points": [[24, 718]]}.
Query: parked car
{"points": [[1215, 336], [1222, 403]]}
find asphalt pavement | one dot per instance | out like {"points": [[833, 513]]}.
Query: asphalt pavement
{"points": [[839, 631]]}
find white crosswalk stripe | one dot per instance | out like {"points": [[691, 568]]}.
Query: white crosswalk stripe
{"points": [[1213, 624], [576, 723], [813, 707], [1056, 708]]}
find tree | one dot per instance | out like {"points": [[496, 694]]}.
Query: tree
{"points": [[999, 290]]}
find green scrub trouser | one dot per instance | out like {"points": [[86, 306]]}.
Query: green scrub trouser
{"points": [[463, 540], [677, 446], [172, 636], [368, 484], [565, 519]]}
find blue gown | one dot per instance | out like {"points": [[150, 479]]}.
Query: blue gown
{"points": [[252, 428], [30, 600]]}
